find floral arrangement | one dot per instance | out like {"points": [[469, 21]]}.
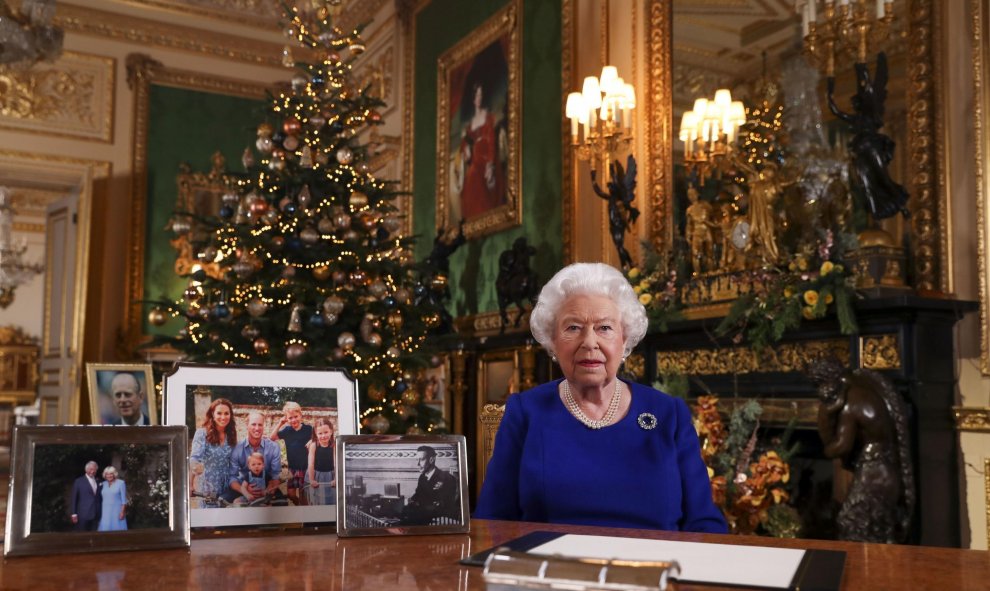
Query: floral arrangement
{"points": [[657, 287], [752, 494]]}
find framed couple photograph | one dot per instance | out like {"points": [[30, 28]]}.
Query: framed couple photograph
{"points": [[92, 489], [121, 394], [261, 441], [479, 85], [402, 484]]}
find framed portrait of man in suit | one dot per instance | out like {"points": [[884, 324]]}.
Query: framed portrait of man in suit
{"points": [[121, 394], [401, 484]]}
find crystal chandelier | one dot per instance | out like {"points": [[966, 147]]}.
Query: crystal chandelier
{"points": [[27, 36], [13, 270]]}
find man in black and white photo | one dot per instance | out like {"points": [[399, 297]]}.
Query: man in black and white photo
{"points": [[436, 492], [86, 502]]}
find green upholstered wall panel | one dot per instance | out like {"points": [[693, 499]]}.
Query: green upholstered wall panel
{"points": [[474, 267]]}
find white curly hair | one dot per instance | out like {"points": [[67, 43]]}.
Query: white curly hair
{"points": [[593, 279]]}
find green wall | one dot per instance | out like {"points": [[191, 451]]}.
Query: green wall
{"points": [[186, 126], [474, 267]]}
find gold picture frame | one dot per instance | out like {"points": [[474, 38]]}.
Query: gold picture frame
{"points": [[103, 406], [478, 135]]}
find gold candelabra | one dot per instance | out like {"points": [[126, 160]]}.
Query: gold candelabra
{"points": [[847, 29], [709, 131], [601, 118]]}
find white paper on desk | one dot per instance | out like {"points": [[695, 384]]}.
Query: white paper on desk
{"points": [[756, 566]]}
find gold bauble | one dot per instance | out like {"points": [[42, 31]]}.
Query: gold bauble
{"points": [[410, 397], [157, 317], [378, 424], [321, 273], [376, 393], [358, 199]]}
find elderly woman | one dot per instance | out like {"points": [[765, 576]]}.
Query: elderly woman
{"points": [[590, 448], [114, 493], [211, 448]]}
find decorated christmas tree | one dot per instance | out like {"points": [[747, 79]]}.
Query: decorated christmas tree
{"points": [[304, 265]]}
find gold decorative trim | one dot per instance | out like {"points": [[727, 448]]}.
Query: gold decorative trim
{"points": [[986, 487], [776, 411], [142, 72], [880, 352], [981, 131], [487, 324], [568, 177], [110, 25], [505, 22], [928, 220], [738, 360], [74, 97], [261, 14], [659, 122], [972, 418], [406, 11]]}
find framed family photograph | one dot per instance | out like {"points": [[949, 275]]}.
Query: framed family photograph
{"points": [[91, 489], [401, 484], [121, 394], [261, 440], [478, 131]]}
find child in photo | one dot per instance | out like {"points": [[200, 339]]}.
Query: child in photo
{"points": [[295, 434], [255, 476], [321, 467]]}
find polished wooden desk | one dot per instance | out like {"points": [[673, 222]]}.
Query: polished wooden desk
{"points": [[322, 562]]}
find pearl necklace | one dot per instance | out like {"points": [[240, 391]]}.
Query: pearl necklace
{"points": [[613, 407]]}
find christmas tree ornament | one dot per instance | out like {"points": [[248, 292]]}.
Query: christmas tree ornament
{"points": [[265, 130], [305, 197], [289, 271], [191, 294], [414, 430], [287, 60], [291, 126], [299, 83], [180, 225], [257, 207], [410, 397], [377, 288], [250, 332], [364, 168], [243, 268], [317, 81], [322, 158], [316, 320], [358, 277], [435, 361], [325, 225], [374, 339], [345, 155], [261, 346], [376, 392], [368, 220], [247, 158], [405, 411], [317, 121], [431, 320], [352, 236], [356, 48], [276, 164], [375, 117], [295, 320], [365, 327], [295, 351], [330, 319], [339, 276], [391, 223], [321, 273], [309, 236], [358, 199], [230, 198], [402, 295], [346, 340], [290, 143], [157, 316], [394, 319], [393, 352], [208, 254], [378, 424], [336, 355], [306, 158], [256, 307], [271, 217], [389, 302], [277, 243], [336, 126], [341, 220], [333, 305], [264, 145], [225, 211], [287, 205]]}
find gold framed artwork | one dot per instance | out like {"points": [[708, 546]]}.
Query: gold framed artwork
{"points": [[478, 127], [498, 376], [121, 394]]}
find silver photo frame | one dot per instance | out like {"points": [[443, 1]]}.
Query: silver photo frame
{"points": [[401, 484], [53, 509], [257, 394]]}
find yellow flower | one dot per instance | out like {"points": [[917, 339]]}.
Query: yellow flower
{"points": [[644, 284], [811, 297], [808, 313], [788, 292], [827, 267], [637, 289], [792, 267], [645, 298], [828, 298], [634, 273], [802, 264], [838, 268]]}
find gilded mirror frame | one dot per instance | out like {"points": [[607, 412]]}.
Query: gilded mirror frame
{"points": [[926, 180], [142, 73], [980, 11]]}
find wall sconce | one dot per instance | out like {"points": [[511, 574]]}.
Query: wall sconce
{"points": [[847, 28], [601, 117], [709, 130], [13, 270]]}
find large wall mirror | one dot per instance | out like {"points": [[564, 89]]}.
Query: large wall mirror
{"points": [[755, 50]]}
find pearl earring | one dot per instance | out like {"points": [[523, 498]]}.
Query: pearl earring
{"points": [[553, 358]]}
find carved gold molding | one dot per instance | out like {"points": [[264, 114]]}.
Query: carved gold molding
{"points": [[406, 11], [925, 144], [776, 411], [490, 323], [142, 72], [263, 14], [981, 131], [568, 184], [880, 352], [109, 25], [972, 418], [787, 357], [986, 487], [71, 98], [659, 122]]}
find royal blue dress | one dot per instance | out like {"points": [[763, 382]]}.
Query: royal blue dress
{"points": [[114, 497], [549, 467]]}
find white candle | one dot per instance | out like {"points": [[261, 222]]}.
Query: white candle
{"points": [[812, 12], [574, 129], [880, 4], [804, 20]]}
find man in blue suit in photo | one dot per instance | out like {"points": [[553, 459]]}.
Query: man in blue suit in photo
{"points": [[86, 500]]}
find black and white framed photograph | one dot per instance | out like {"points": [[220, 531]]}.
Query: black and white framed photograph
{"points": [[401, 484], [261, 440], [92, 489], [121, 394]]}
